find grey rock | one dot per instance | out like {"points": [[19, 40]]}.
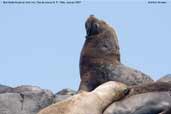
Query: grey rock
{"points": [[166, 78], [4, 89], [25, 100], [11, 103], [63, 94], [66, 91]]}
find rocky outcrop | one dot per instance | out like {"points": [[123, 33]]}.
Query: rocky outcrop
{"points": [[63, 94], [166, 78], [4, 89], [31, 99], [24, 99], [28, 99]]}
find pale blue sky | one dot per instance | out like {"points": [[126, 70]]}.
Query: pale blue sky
{"points": [[40, 44]]}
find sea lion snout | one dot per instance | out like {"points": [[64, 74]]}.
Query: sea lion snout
{"points": [[119, 88], [92, 26], [123, 87]]}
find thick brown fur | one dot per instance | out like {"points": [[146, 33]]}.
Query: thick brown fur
{"points": [[149, 87], [100, 58], [151, 98], [101, 47]]}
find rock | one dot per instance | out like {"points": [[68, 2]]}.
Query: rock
{"points": [[66, 91], [25, 100], [11, 103], [166, 78], [63, 94], [4, 89]]}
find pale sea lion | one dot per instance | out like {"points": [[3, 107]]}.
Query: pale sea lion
{"points": [[100, 58], [89, 102]]}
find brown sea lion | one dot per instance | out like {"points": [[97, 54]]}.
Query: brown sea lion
{"points": [[147, 103], [100, 58], [89, 102], [151, 98], [149, 87]]}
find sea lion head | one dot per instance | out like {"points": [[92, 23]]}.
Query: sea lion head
{"points": [[119, 89], [94, 26], [109, 92], [114, 89], [101, 40]]}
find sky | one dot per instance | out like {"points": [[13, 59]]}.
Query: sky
{"points": [[40, 44]]}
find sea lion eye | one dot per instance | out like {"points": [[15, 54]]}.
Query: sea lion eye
{"points": [[126, 91], [96, 26]]}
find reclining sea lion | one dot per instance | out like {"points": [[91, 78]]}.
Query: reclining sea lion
{"points": [[147, 103], [94, 102], [151, 98]]}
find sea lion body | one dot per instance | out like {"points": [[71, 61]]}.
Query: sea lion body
{"points": [[100, 58], [149, 87], [147, 103], [89, 102], [150, 98]]}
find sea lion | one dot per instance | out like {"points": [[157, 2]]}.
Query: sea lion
{"points": [[150, 98], [147, 103], [89, 102], [149, 87], [100, 58]]}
